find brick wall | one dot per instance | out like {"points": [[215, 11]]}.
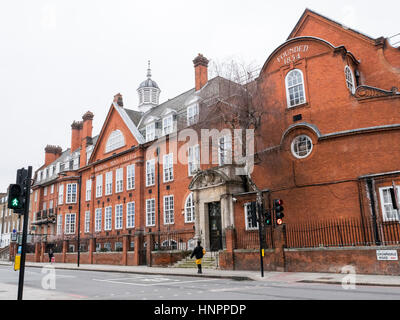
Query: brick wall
{"points": [[166, 258], [330, 260], [333, 259]]}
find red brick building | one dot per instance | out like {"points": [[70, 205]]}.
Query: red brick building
{"points": [[326, 144]]}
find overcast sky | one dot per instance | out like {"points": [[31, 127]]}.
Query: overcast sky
{"points": [[59, 59]]}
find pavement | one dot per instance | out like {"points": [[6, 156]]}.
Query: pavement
{"points": [[289, 277]]}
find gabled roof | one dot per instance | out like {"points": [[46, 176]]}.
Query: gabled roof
{"points": [[307, 13], [134, 115], [214, 87], [177, 104], [128, 117]]}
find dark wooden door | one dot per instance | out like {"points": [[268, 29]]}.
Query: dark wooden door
{"points": [[214, 218]]}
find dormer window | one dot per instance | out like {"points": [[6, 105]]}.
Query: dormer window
{"points": [[192, 114], [115, 141], [167, 127], [349, 79], [295, 88], [150, 131]]}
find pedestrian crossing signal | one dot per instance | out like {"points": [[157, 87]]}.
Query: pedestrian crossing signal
{"points": [[15, 197]]}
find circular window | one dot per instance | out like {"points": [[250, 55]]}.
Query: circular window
{"points": [[302, 146]]}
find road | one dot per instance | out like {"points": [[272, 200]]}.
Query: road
{"points": [[93, 285]]}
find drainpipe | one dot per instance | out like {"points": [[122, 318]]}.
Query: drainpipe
{"points": [[372, 199]]}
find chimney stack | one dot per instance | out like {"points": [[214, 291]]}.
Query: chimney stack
{"points": [[51, 153], [118, 100], [76, 127], [201, 71], [86, 136]]}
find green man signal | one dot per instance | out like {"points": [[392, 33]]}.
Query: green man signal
{"points": [[15, 197], [15, 203]]}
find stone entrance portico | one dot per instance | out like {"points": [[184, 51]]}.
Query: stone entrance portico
{"points": [[216, 185]]}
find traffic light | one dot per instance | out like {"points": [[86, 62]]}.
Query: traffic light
{"points": [[16, 192], [268, 218], [278, 205], [15, 197]]}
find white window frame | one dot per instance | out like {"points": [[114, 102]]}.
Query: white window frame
{"points": [[115, 141], [119, 180], [168, 167], [71, 193], [292, 146], [97, 221], [348, 73], [45, 191], [225, 150], [108, 218], [109, 183], [193, 159], [61, 194], [130, 214], [88, 189], [289, 104], [190, 209], [119, 216], [167, 125], [150, 212], [192, 114], [52, 189], [150, 172], [70, 221], [87, 221], [150, 131], [99, 185], [168, 209], [130, 177], [247, 217], [59, 224], [386, 204]]}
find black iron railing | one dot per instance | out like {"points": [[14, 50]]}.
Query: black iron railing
{"points": [[342, 233]]}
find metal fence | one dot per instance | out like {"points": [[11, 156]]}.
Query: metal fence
{"points": [[181, 240], [342, 233], [250, 239], [108, 244]]}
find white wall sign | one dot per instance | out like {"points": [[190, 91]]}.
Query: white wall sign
{"points": [[387, 255]]}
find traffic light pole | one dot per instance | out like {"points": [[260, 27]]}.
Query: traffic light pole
{"points": [[24, 233], [260, 222]]}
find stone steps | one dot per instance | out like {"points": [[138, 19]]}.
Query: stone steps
{"points": [[208, 262]]}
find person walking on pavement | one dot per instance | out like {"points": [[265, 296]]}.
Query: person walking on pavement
{"points": [[198, 252], [51, 254]]}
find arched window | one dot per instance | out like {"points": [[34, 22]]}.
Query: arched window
{"points": [[189, 209], [295, 88], [349, 79], [302, 146], [115, 140], [169, 244]]}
